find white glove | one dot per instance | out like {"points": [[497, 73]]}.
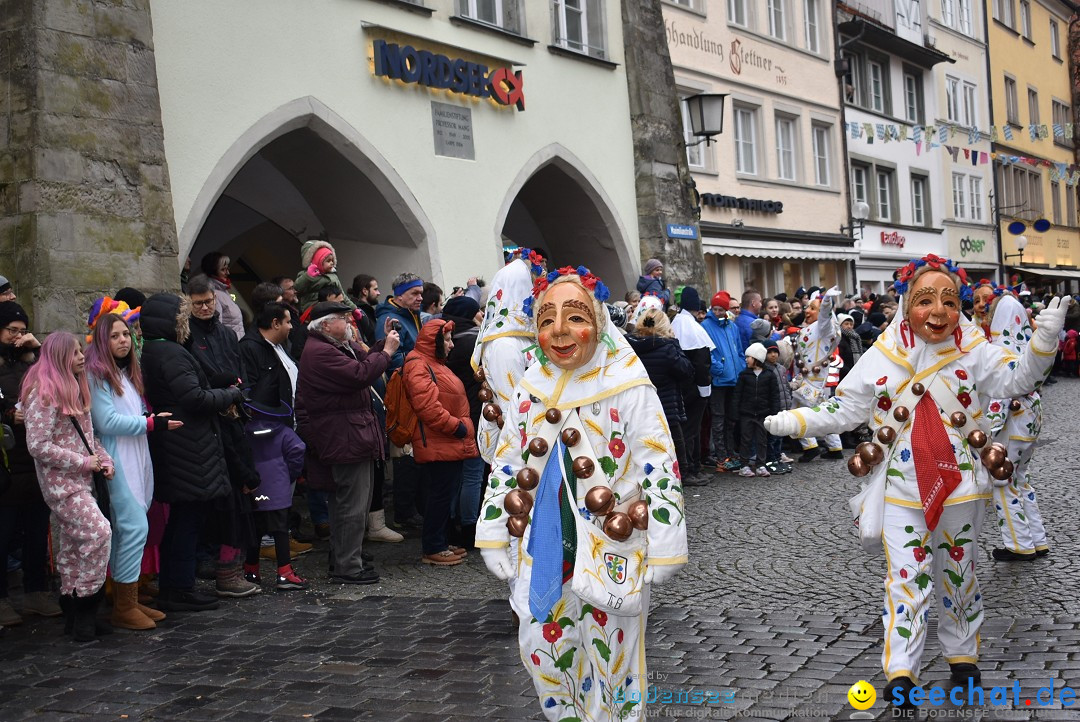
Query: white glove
{"points": [[785, 423], [1049, 322], [498, 562], [660, 574], [834, 292]]}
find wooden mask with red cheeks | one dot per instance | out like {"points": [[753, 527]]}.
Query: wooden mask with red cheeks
{"points": [[811, 313], [984, 296], [933, 306], [566, 325]]}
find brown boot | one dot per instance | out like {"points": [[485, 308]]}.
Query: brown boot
{"points": [[154, 614], [126, 613]]}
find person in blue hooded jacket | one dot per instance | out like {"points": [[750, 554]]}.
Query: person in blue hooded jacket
{"points": [[727, 363]]}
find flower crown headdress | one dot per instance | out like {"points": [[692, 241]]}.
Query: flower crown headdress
{"points": [[906, 273], [588, 280], [531, 257]]}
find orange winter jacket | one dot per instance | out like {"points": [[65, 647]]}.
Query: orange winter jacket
{"points": [[440, 404]]}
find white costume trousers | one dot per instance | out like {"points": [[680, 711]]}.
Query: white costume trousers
{"points": [[1019, 519]]}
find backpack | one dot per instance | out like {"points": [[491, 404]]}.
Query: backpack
{"points": [[401, 418]]}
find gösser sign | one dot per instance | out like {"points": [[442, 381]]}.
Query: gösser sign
{"points": [[423, 67]]}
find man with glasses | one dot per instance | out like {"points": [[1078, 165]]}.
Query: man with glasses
{"points": [[7, 293]]}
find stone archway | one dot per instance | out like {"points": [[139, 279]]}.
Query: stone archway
{"points": [[557, 204]]}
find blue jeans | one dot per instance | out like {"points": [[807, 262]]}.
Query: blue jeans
{"points": [[776, 447], [318, 506], [443, 480], [466, 505]]}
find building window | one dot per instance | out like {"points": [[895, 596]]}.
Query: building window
{"points": [[1021, 190], [692, 4], [785, 148], [959, 197], [960, 102], [1012, 105], [1055, 202], [822, 176], [948, 12], [964, 16], [884, 195], [579, 25], [695, 154], [876, 99], [970, 114], [1005, 11], [813, 39], [1033, 106], [1070, 205], [737, 12], [746, 140], [1025, 19], [952, 98], [918, 200], [913, 98], [777, 19], [859, 187], [1062, 116], [505, 14], [975, 198], [1055, 40]]}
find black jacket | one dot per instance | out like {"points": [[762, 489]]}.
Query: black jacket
{"points": [[189, 462], [367, 323], [297, 335], [757, 395], [265, 377], [23, 486], [460, 362], [701, 360], [669, 370], [216, 349]]}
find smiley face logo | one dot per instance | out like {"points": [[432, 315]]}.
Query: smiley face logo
{"points": [[862, 695]]}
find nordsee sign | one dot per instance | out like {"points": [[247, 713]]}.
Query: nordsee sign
{"points": [[674, 230], [423, 67]]}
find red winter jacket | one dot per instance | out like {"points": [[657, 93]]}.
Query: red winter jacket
{"points": [[440, 405]]}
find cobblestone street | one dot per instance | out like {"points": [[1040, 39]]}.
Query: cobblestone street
{"points": [[777, 604]]}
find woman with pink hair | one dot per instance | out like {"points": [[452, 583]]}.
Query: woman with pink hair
{"points": [[56, 401]]}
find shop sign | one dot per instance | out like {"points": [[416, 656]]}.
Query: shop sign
{"points": [[453, 130], [674, 230], [743, 204], [892, 239], [969, 245], [434, 70]]}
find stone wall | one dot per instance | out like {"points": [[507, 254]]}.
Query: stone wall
{"points": [[85, 206], [662, 175]]}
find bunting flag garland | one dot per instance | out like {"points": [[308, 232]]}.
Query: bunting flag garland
{"points": [[1007, 132]]}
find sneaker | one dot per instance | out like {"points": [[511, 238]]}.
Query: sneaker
{"points": [[445, 558], [786, 459], [286, 582], [322, 530], [184, 600], [762, 471], [1008, 555], [810, 454], [296, 548], [251, 574], [41, 604], [773, 467], [367, 576], [8, 616], [746, 471], [731, 464]]}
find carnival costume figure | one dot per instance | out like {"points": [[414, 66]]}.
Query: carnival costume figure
{"points": [[929, 463], [1015, 424], [585, 484], [815, 347]]}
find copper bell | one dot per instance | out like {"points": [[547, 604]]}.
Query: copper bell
{"points": [[901, 413], [491, 412], [918, 389], [479, 374], [516, 525], [977, 438], [870, 452], [518, 502], [1002, 471], [583, 467], [553, 416], [599, 500], [618, 526], [528, 478], [499, 422], [484, 394], [639, 514], [857, 466], [992, 456], [571, 437], [958, 419], [1015, 404], [886, 434], [817, 369], [538, 447]]}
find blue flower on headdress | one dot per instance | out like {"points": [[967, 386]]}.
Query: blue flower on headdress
{"points": [[527, 306], [602, 293]]}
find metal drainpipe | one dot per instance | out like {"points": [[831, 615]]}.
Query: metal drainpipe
{"points": [[995, 215], [843, 129]]}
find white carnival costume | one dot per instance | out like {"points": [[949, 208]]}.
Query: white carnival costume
{"points": [[1016, 423], [815, 346], [927, 482], [585, 431]]}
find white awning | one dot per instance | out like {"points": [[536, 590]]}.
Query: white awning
{"points": [[781, 249], [1049, 273]]}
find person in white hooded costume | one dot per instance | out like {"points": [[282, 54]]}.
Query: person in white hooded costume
{"points": [[920, 384], [585, 439]]}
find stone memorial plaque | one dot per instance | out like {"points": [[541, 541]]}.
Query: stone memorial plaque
{"points": [[452, 125]]}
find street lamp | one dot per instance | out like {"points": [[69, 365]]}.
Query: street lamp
{"points": [[1021, 244], [860, 211], [706, 112]]}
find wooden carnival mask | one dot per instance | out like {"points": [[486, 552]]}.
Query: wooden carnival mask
{"points": [[566, 326], [984, 296], [934, 307], [810, 315]]}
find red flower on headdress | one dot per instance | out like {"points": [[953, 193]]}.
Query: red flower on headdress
{"points": [[934, 261]]}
